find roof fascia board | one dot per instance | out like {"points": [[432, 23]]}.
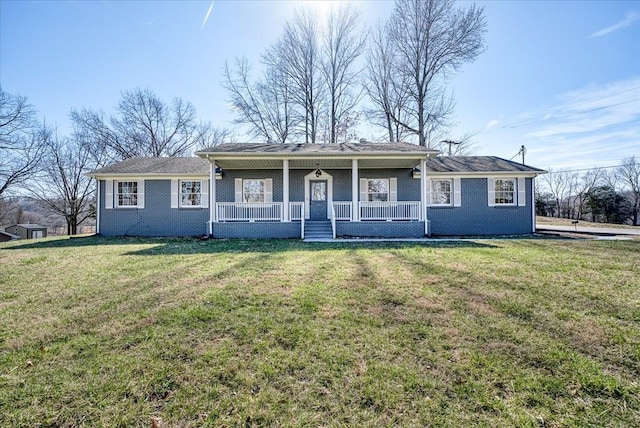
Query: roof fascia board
{"points": [[486, 174], [150, 176], [283, 156]]}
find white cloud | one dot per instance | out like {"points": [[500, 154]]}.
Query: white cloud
{"points": [[596, 125], [206, 17], [629, 19], [492, 123]]}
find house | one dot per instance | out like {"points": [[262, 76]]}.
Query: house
{"points": [[311, 190], [27, 231], [6, 236]]}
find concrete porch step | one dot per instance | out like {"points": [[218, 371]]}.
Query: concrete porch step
{"points": [[318, 229]]}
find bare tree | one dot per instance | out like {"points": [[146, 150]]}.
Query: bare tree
{"points": [[583, 188], [431, 40], [387, 90], [20, 140], [265, 106], [629, 174], [297, 55], [211, 136], [343, 43], [62, 186], [143, 125], [558, 183]]}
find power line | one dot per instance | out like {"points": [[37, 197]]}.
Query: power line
{"points": [[586, 169]]}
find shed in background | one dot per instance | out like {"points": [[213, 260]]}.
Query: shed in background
{"points": [[27, 231]]}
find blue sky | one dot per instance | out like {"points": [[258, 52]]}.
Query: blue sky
{"points": [[561, 78]]}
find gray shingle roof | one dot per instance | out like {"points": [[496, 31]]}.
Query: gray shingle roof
{"points": [[345, 148], [471, 164], [158, 166]]}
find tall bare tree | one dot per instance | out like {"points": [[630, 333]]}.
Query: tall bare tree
{"points": [[384, 87], [629, 174], [143, 125], [265, 105], [343, 43], [297, 54], [62, 185], [20, 140], [558, 183], [431, 40]]}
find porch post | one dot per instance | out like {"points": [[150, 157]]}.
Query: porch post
{"points": [[355, 212], [285, 190], [423, 195], [212, 196]]}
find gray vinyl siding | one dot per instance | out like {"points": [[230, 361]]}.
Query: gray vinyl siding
{"points": [[476, 217], [408, 187], [225, 188], [157, 218]]}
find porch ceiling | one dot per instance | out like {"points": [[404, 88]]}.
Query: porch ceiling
{"points": [[323, 163]]}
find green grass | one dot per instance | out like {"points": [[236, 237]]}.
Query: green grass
{"points": [[500, 333]]}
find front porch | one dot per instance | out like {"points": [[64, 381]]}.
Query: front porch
{"points": [[271, 190], [287, 220]]}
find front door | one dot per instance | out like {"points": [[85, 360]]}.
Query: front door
{"points": [[318, 207]]}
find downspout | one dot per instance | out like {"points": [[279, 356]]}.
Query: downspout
{"points": [[97, 207], [212, 195], [533, 204]]}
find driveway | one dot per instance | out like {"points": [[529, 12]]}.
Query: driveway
{"points": [[589, 230]]}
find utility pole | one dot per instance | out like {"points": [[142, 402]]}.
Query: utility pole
{"points": [[523, 151], [450, 143]]}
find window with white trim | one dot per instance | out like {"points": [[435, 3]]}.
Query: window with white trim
{"points": [[127, 194], [505, 191], [253, 190], [378, 190], [190, 193], [441, 192]]}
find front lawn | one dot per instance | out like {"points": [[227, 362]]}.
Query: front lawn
{"points": [[501, 333]]}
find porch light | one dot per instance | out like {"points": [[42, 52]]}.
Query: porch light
{"points": [[318, 172]]}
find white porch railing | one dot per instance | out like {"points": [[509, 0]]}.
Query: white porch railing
{"points": [[249, 211], [295, 210], [342, 210], [389, 211]]}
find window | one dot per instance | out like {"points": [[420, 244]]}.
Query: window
{"points": [[505, 192], [127, 194], [378, 190], [318, 190], [441, 192], [253, 191], [190, 193]]}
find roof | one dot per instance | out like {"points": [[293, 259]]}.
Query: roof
{"points": [[301, 149], [476, 164], [10, 235], [156, 166], [29, 226]]}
